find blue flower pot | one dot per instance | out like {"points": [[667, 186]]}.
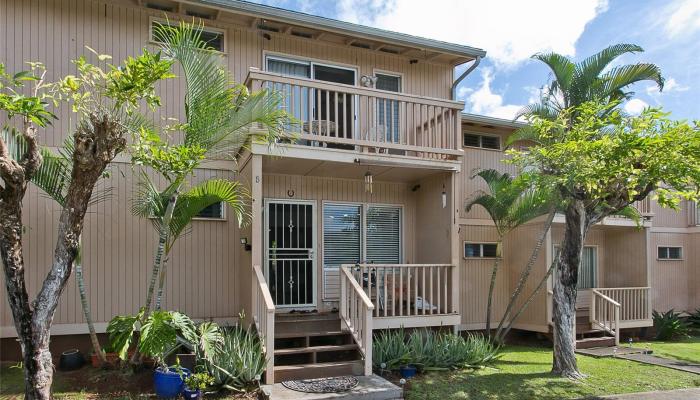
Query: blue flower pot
{"points": [[169, 384], [188, 394], [408, 371]]}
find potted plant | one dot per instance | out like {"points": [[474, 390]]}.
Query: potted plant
{"points": [[168, 382], [195, 383]]}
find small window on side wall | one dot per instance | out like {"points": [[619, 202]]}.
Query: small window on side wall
{"points": [[670, 253], [482, 141], [213, 211], [480, 250], [214, 38]]}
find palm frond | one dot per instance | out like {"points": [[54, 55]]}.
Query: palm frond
{"points": [[619, 78], [524, 134], [588, 70], [562, 69], [632, 213], [544, 110], [205, 194]]}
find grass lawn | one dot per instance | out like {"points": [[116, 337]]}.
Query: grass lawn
{"points": [[523, 373], [682, 349]]}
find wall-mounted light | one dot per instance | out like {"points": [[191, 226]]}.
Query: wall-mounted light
{"points": [[246, 245], [414, 61], [444, 196]]}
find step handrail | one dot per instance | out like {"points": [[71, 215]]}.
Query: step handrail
{"points": [[606, 314], [264, 319], [356, 313]]}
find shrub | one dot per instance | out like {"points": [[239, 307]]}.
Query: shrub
{"points": [[389, 349], [694, 318], [430, 350], [669, 325], [439, 351], [240, 362], [200, 380]]}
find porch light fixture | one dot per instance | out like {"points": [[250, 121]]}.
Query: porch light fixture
{"points": [[444, 196], [368, 182], [246, 245]]}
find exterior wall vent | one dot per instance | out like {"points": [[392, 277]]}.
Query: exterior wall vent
{"points": [[361, 45], [160, 7], [302, 34]]}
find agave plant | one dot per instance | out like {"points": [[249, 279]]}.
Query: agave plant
{"points": [[432, 350], [669, 325], [390, 350], [240, 361]]}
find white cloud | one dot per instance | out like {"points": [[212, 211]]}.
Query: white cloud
{"points": [[682, 17], [484, 101], [510, 31], [635, 106], [670, 86]]}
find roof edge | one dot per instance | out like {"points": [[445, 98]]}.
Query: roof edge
{"points": [[484, 119], [367, 32]]}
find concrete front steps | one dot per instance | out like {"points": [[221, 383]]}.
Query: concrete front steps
{"points": [[314, 346]]}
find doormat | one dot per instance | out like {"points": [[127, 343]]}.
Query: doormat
{"points": [[322, 385]]}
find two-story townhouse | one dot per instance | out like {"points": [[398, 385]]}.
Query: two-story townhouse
{"points": [[357, 220], [632, 269]]}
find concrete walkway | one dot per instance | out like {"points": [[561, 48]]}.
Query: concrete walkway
{"points": [[680, 394], [663, 362]]}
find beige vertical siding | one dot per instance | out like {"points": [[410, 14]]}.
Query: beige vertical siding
{"points": [[118, 254], [625, 258], [672, 280]]}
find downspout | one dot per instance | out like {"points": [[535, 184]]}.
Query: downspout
{"points": [[468, 71]]}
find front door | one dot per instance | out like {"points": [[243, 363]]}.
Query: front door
{"points": [[290, 241]]}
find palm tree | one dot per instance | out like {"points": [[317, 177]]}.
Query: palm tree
{"points": [[572, 85], [221, 118], [589, 80], [510, 204]]}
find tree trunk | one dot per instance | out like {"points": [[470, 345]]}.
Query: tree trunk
{"points": [[527, 302], [86, 307], [564, 299], [163, 237], [97, 141], [492, 286], [161, 282], [526, 273]]}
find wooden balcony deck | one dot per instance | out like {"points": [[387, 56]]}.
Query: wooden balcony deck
{"points": [[365, 120]]}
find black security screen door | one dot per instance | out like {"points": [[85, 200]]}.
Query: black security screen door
{"points": [[290, 252]]}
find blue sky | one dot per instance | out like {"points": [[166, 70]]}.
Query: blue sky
{"points": [[511, 31]]}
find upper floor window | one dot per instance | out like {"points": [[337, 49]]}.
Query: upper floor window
{"points": [[482, 141], [670, 253], [480, 250], [214, 38], [213, 211]]}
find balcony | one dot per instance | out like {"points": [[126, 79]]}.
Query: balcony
{"points": [[365, 121]]}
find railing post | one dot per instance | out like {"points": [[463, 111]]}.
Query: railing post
{"points": [[617, 325], [270, 347], [343, 294], [592, 315], [367, 342]]}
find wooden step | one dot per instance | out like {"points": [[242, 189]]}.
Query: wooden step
{"points": [[588, 343], [319, 370], [291, 335], [297, 324], [316, 349]]}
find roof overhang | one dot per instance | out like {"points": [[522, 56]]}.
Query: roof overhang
{"points": [[486, 121], [460, 54]]}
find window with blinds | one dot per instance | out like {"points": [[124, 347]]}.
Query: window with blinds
{"points": [[670, 253], [388, 110], [482, 141], [354, 233]]}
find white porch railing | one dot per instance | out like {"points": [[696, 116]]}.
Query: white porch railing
{"points": [[605, 313], [407, 290], [366, 120], [264, 318], [635, 302], [356, 313]]}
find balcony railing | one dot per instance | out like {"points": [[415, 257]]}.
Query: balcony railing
{"points": [[365, 120]]}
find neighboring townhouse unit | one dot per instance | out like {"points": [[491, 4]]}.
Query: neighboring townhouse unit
{"points": [[357, 220]]}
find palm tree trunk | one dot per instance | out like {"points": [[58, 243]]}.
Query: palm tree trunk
{"points": [[526, 272], [564, 298], [527, 302], [161, 283], [86, 307], [492, 286], [160, 251]]}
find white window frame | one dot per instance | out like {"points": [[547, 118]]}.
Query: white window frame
{"points": [[481, 134], [174, 22], [399, 75], [682, 257], [222, 218], [481, 250], [308, 61]]}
